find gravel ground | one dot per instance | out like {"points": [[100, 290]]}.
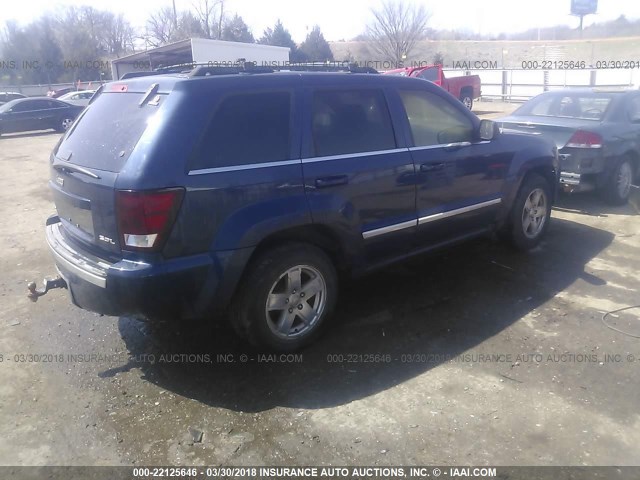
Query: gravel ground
{"points": [[477, 355]]}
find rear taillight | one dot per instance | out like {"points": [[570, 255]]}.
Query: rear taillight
{"points": [[584, 139], [145, 218]]}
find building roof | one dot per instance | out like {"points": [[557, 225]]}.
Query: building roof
{"points": [[165, 51], [182, 51]]}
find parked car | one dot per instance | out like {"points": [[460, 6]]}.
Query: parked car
{"points": [[6, 97], [597, 133], [466, 88], [80, 98], [37, 113], [62, 91], [190, 196]]}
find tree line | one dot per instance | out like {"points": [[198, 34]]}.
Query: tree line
{"points": [[78, 43]]}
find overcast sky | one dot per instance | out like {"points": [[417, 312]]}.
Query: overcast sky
{"points": [[344, 19]]}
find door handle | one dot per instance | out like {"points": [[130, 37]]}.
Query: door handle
{"points": [[450, 147], [431, 167], [332, 181]]}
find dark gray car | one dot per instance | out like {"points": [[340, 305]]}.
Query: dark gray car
{"points": [[37, 113], [597, 133]]}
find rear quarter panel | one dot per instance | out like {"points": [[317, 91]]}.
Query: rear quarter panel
{"points": [[223, 210], [529, 153]]}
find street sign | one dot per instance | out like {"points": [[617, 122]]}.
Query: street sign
{"points": [[583, 7]]}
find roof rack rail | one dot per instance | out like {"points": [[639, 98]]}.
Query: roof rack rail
{"points": [[129, 75], [213, 68], [202, 70]]}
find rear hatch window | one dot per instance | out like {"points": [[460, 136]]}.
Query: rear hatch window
{"points": [[108, 131]]}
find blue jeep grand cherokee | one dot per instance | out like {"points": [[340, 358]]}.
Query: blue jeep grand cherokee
{"points": [[248, 193]]}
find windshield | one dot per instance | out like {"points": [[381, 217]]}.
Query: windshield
{"points": [[583, 106]]}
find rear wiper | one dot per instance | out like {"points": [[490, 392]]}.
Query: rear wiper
{"points": [[74, 168]]}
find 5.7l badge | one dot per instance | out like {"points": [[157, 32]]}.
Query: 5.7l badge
{"points": [[102, 238]]}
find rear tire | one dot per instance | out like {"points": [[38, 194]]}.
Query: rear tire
{"points": [[618, 187], [286, 297], [64, 124], [531, 213], [466, 100]]}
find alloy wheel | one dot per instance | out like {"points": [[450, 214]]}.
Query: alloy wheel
{"points": [[534, 213], [296, 302], [625, 178]]}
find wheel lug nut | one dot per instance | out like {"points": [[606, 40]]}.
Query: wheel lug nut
{"points": [[299, 307], [302, 295], [291, 310], [286, 301]]}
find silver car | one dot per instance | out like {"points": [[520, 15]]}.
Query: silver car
{"points": [[78, 98]]}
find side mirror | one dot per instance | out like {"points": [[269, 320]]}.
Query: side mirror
{"points": [[488, 129]]}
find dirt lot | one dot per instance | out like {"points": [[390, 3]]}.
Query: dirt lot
{"points": [[487, 357]]}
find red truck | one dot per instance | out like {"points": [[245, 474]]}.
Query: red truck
{"points": [[466, 88]]}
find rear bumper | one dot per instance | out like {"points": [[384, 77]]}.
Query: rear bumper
{"points": [[185, 287], [582, 170], [576, 182]]}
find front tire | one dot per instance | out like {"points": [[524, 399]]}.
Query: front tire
{"points": [[531, 213], [286, 297], [618, 187]]}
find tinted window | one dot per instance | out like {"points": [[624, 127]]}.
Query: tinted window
{"points": [[35, 105], [435, 121], [634, 109], [430, 74], [108, 131], [27, 106], [52, 104], [350, 122], [246, 129]]}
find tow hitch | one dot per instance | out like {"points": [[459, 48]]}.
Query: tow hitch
{"points": [[49, 284]]}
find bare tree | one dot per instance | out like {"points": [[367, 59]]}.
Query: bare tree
{"points": [[161, 27], [206, 12], [396, 28], [119, 35]]}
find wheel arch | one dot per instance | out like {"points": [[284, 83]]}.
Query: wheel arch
{"points": [[467, 89], [318, 235], [634, 156]]}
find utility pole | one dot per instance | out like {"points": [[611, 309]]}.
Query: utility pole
{"points": [[220, 20], [175, 16], [581, 20]]}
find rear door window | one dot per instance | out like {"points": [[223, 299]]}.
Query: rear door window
{"points": [[29, 106], [248, 128], [107, 132], [346, 121]]}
